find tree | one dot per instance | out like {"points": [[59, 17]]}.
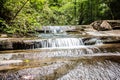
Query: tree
{"points": [[24, 15], [115, 8]]}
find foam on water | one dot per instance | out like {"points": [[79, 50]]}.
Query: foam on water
{"points": [[58, 42], [96, 71], [57, 29], [32, 73]]}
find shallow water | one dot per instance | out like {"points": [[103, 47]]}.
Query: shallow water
{"points": [[62, 55], [105, 70]]}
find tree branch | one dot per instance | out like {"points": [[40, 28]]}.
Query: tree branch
{"points": [[20, 10]]}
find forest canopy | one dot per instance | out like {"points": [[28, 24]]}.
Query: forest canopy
{"points": [[21, 16]]}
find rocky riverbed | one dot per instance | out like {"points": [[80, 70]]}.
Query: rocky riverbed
{"points": [[66, 53]]}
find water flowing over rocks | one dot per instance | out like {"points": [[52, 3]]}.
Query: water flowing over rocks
{"points": [[57, 29], [63, 53], [94, 71]]}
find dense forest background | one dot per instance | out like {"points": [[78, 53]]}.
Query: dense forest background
{"points": [[21, 16]]}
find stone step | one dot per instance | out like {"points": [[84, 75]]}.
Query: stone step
{"points": [[27, 43]]}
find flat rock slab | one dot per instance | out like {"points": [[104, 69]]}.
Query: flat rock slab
{"points": [[27, 43], [115, 33], [75, 69], [16, 43]]}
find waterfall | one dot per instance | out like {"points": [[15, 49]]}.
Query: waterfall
{"points": [[65, 42], [60, 58], [57, 29], [58, 42]]}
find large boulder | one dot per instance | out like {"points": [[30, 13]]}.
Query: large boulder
{"points": [[103, 25]]}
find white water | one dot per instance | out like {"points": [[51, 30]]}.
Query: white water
{"points": [[64, 43], [59, 42], [36, 73], [68, 47], [96, 71], [57, 29]]}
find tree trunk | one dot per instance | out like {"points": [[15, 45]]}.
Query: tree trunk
{"points": [[20, 9]]}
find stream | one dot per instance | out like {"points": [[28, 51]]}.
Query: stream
{"points": [[63, 53]]}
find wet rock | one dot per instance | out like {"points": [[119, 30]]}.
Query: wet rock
{"points": [[110, 40], [22, 45], [15, 44], [93, 70], [101, 39], [115, 24], [91, 41], [5, 45]]}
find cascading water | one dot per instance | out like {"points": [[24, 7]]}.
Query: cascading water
{"points": [[61, 42], [60, 58], [106, 70], [57, 29]]}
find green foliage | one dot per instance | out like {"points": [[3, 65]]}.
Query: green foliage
{"points": [[3, 26], [26, 19], [22, 16]]}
